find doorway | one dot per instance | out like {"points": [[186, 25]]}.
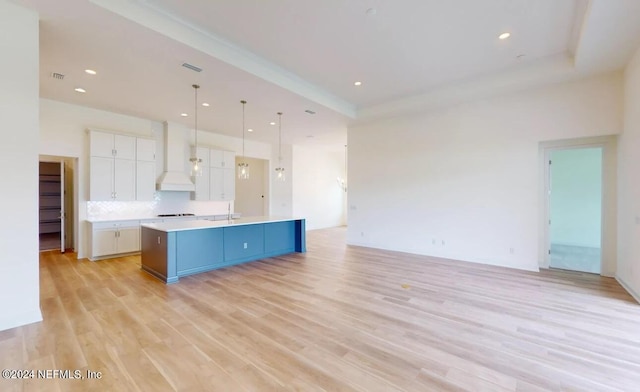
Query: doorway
{"points": [[51, 208], [252, 195], [575, 209], [56, 203]]}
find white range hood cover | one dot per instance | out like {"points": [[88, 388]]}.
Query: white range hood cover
{"points": [[174, 177]]}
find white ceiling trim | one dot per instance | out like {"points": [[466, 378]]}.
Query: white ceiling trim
{"points": [[217, 47], [609, 36], [556, 69]]}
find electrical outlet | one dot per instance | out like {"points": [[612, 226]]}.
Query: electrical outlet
{"points": [[362, 234], [442, 242], [433, 241], [512, 251], [245, 245], [353, 207]]}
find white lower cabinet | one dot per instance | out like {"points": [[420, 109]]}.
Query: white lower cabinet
{"points": [[113, 238]]}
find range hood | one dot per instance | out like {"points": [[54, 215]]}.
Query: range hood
{"points": [[174, 177]]}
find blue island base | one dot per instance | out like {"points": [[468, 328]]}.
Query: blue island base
{"points": [[170, 254]]}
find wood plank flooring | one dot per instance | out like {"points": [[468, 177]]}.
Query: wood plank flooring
{"points": [[337, 318]]}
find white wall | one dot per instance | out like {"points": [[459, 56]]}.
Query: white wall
{"points": [[19, 279], [316, 195], [629, 183], [462, 183]]}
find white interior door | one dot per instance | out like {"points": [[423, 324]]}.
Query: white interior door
{"points": [[62, 208], [250, 194]]}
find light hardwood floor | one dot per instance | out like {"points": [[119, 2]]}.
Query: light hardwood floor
{"points": [[337, 318]]}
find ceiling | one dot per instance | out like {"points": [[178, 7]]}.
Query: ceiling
{"points": [[297, 55]]}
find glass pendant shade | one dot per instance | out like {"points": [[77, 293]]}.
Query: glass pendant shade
{"points": [[243, 171], [243, 167], [280, 174], [196, 163], [196, 167]]}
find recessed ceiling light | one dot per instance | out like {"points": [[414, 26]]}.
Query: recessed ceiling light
{"points": [[504, 35], [310, 136], [272, 123], [357, 83], [309, 111], [80, 90], [371, 11], [206, 105], [249, 130], [90, 71], [184, 114]]}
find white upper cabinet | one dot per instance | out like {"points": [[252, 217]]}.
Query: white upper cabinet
{"points": [[145, 150], [101, 144], [108, 145], [218, 175], [223, 184], [101, 178], [145, 169], [122, 167], [124, 180], [124, 147], [222, 159], [145, 180]]}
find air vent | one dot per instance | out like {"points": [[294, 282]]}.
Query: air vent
{"points": [[310, 111], [56, 75], [192, 67]]}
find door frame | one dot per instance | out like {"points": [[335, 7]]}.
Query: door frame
{"points": [[71, 187], [608, 229]]}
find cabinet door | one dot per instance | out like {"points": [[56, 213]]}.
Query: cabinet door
{"points": [[125, 147], [229, 159], [101, 179], [229, 184], [217, 183], [243, 242], [129, 240], [124, 179], [145, 150], [104, 243], [202, 153], [202, 185], [216, 158], [145, 180], [101, 144]]}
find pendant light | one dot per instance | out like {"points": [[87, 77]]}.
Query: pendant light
{"points": [[280, 175], [196, 163], [243, 167]]}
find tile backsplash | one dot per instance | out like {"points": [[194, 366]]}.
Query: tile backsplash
{"points": [[163, 203]]}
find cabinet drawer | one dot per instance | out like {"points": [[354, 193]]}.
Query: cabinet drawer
{"points": [[114, 224]]}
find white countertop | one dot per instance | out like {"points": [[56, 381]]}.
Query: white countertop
{"points": [[152, 218], [207, 224]]}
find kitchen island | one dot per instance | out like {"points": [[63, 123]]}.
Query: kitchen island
{"points": [[171, 250]]}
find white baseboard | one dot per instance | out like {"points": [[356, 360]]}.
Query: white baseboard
{"points": [[628, 288], [20, 319]]}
